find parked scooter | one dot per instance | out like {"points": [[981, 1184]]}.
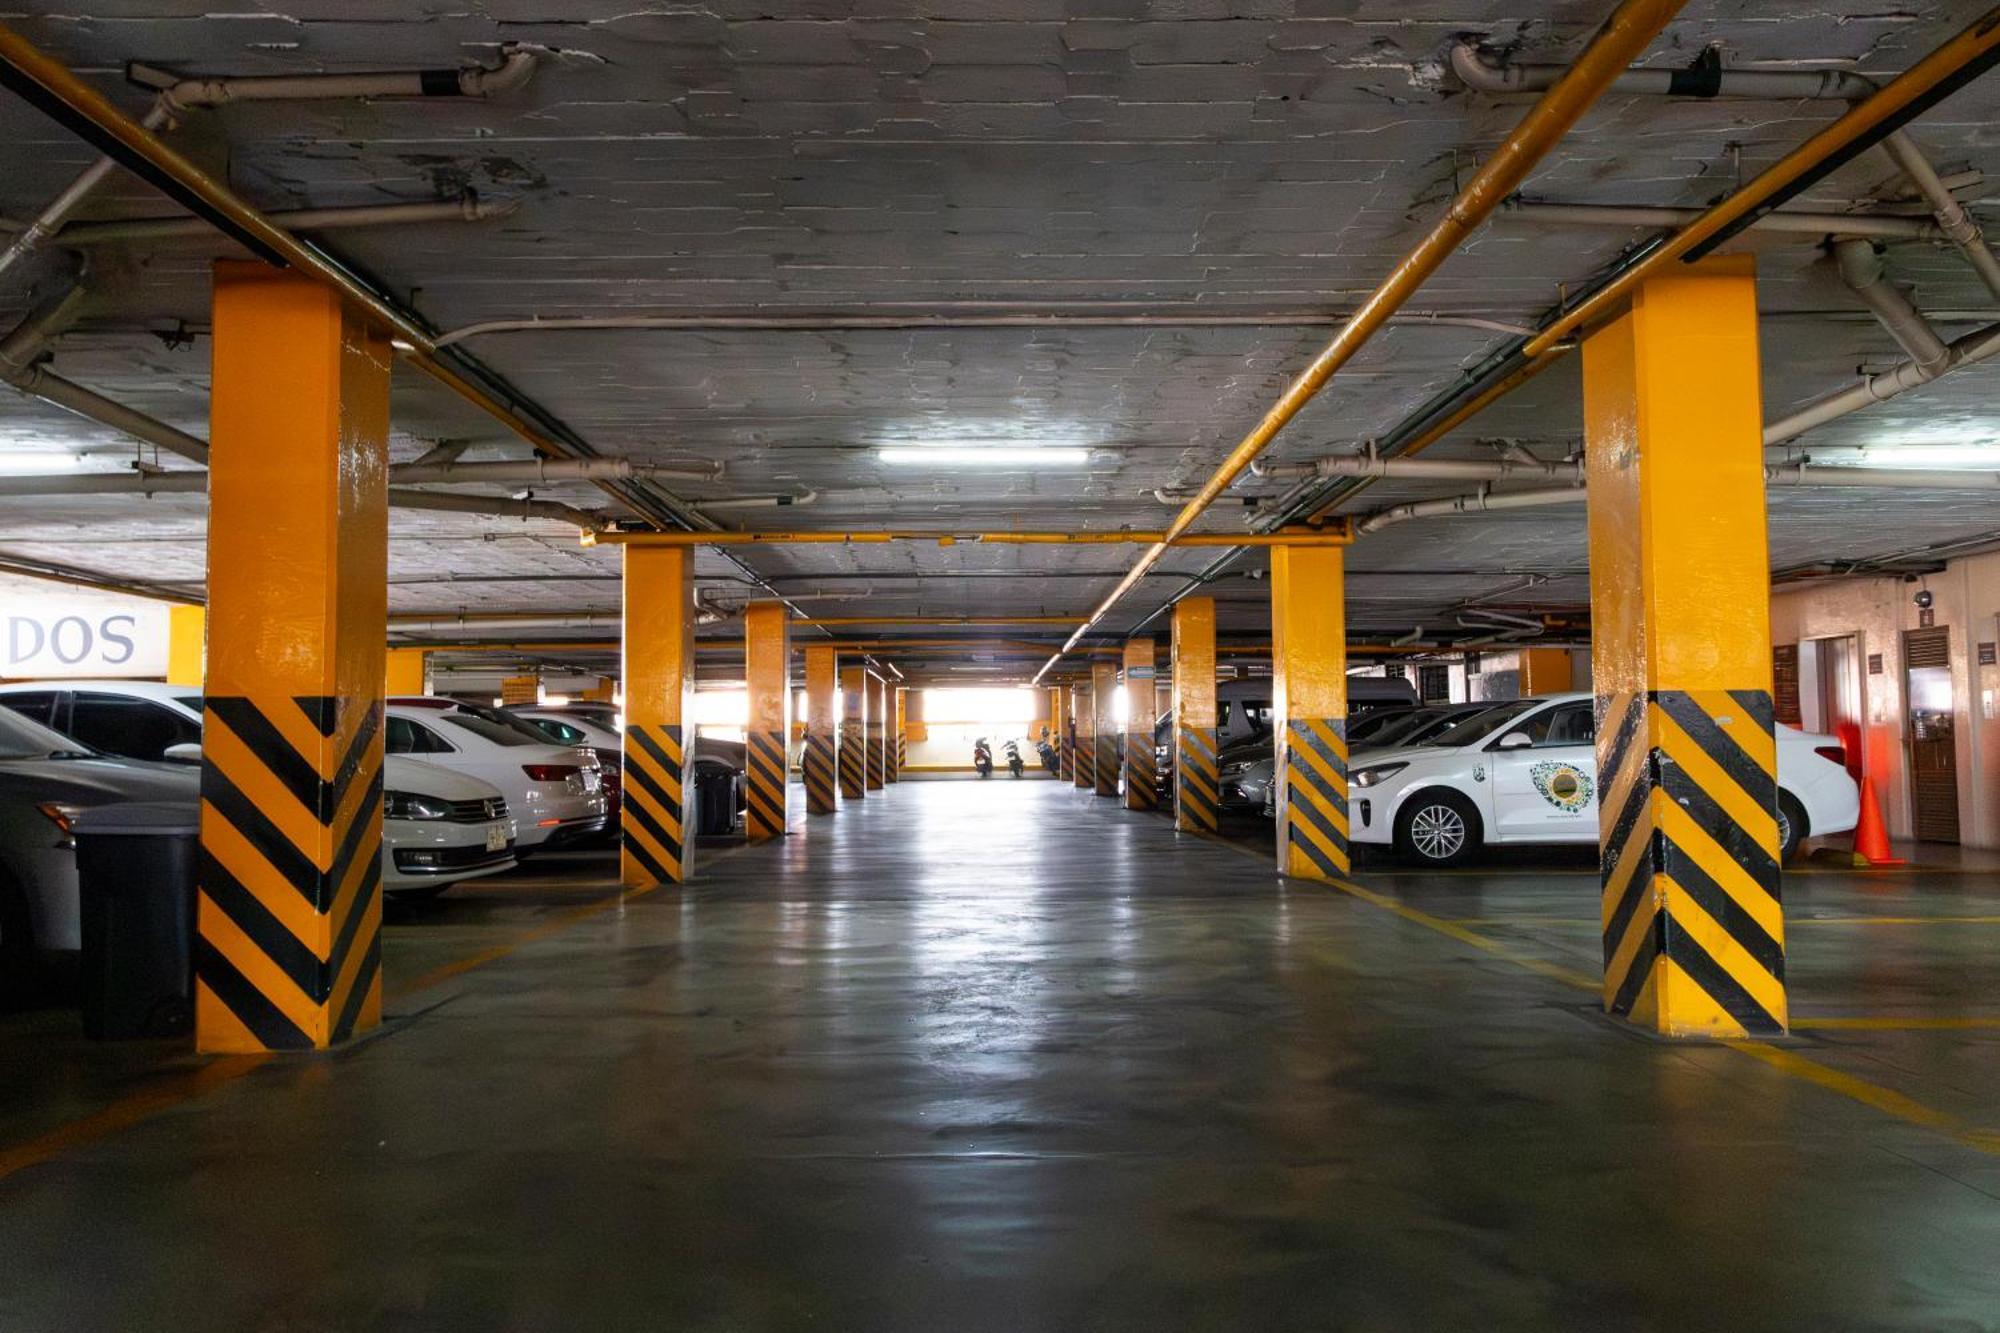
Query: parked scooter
{"points": [[1051, 758], [982, 757], [1014, 764]]}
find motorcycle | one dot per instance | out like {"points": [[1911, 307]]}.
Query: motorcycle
{"points": [[1014, 765], [982, 757], [1051, 758]]}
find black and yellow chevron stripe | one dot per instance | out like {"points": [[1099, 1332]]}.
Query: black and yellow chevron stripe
{"points": [[1142, 777], [853, 761], [765, 766], [1083, 762], [1104, 764], [902, 753], [1195, 794], [1688, 837], [877, 761], [656, 809], [1312, 804], [818, 765], [290, 868]]}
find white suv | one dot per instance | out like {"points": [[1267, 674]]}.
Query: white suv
{"points": [[1526, 772]]}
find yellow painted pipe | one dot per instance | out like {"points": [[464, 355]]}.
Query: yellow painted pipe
{"points": [[1909, 93], [1623, 38], [1326, 536], [85, 110]]}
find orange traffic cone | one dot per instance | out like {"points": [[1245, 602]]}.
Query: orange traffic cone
{"points": [[1871, 839]]}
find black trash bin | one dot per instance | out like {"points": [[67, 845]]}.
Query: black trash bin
{"points": [[135, 876], [715, 787]]}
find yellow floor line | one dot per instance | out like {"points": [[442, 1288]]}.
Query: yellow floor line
{"points": [[1893, 1023], [1791, 1063], [197, 1083], [1791, 922]]}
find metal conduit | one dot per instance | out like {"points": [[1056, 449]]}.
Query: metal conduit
{"points": [[1860, 266], [466, 208], [544, 470], [1631, 28], [1880, 226], [516, 65]]}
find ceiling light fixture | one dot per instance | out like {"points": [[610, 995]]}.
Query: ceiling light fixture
{"points": [[1983, 456], [984, 456]]}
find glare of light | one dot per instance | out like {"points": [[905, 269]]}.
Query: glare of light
{"points": [[999, 455], [722, 708], [41, 463], [498, 702], [979, 707], [402, 344], [618, 699], [552, 700], [1121, 708], [1983, 456]]}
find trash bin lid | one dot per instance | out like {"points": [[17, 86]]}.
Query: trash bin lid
{"points": [[134, 819]]}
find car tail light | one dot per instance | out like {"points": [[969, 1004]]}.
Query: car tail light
{"points": [[551, 772], [1833, 753]]}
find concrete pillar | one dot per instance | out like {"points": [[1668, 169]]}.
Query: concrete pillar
{"points": [[899, 741], [289, 913], [1083, 737], [1059, 724], [1104, 728], [408, 671], [1544, 671], [658, 809], [187, 645], [878, 732], [767, 672], [1195, 782], [822, 755], [1681, 659], [1309, 709], [853, 732], [1142, 783]]}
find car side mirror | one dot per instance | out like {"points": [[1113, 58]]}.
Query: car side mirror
{"points": [[1514, 740], [187, 752]]}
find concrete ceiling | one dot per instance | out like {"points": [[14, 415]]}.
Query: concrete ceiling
{"points": [[1269, 160]]}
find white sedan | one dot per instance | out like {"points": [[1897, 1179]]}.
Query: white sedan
{"points": [[1526, 772], [440, 827], [555, 792]]}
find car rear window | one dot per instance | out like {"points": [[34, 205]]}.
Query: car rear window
{"points": [[497, 732]]}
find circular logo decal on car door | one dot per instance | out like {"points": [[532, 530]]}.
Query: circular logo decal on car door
{"points": [[1564, 786]]}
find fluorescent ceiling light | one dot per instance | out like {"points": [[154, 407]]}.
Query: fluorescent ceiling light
{"points": [[41, 463], [985, 456]]}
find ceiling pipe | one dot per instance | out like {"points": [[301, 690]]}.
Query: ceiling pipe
{"points": [[1974, 347], [496, 507], [1705, 78], [1371, 464], [150, 482], [57, 91], [1879, 226], [72, 196], [963, 316], [1630, 29], [516, 67], [1860, 265], [798, 501], [1329, 536], [550, 470], [1480, 501], [1952, 219], [468, 207]]}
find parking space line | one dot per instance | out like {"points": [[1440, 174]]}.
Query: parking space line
{"points": [[195, 1084], [1787, 1062], [1897, 1023]]}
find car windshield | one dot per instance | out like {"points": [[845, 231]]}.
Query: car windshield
{"points": [[22, 739], [1479, 726], [1406, 725], [498, 732], [191, 702]]}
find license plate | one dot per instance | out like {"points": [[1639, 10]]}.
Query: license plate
{"points": [[590, 779], [496, 840]]}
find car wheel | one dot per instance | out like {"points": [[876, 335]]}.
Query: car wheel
{"points": [[1438, 828], [18, 959], [1792, 825]]}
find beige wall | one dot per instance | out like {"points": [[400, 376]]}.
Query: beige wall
{"points": [[1966, 602]]}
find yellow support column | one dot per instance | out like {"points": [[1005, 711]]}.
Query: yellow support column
{"points": [[853, 732], [1195, 782], [1058, 724], [1681, 658], [408, 671], [1083, 737], [1142, 779], [898, 738], [878, 731], [1104, 727], [767, 668], [1309, 709], [1544, 671], [821, 763], [187, 645], [289, 913], [658, 671]]}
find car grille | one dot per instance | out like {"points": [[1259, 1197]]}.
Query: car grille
{"points": [[478, 811]]}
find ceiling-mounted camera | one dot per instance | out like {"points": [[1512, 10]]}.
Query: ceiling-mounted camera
{"points": [[1923, 599]]}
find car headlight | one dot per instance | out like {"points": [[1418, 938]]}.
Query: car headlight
{"points": [[1368, 777], [409, 805]]}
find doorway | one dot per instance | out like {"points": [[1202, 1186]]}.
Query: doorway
{"points": [[1933, 742]]}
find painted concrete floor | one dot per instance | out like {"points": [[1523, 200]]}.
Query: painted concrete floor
{"points": [[1001, 1056]]}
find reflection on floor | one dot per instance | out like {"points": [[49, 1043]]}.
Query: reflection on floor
{"points": [[1003, 1056]]}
